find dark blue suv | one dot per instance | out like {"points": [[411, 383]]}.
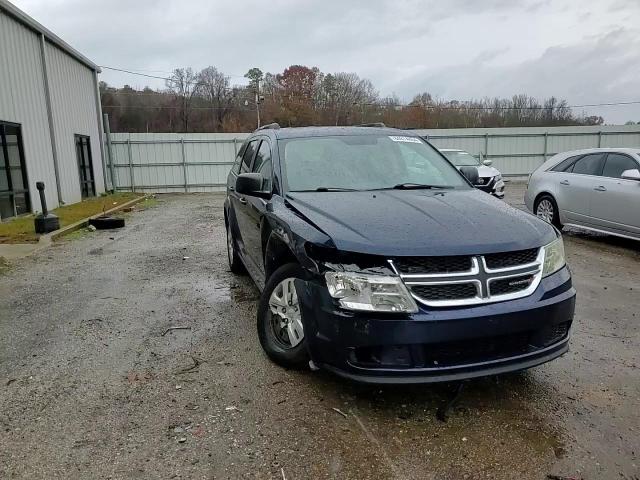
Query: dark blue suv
{"points": [[379, 261]]}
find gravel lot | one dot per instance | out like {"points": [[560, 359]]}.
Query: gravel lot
{"points": [[92, 387]]}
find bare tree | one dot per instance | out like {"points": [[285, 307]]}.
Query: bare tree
{"points": [[350, 93], [214, 88], [184, 84]]}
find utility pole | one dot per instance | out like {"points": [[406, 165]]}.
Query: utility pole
{"points": [[258, 101]]}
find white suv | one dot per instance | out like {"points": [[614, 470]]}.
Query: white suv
{"points": [[489, 178]]}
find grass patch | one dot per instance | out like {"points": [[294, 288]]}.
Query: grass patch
{"points": [[148, 202], [75, 235], [4, 266], [20, 230]]}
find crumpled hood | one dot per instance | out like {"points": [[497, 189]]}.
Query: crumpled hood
{"points": [[420, 222]]}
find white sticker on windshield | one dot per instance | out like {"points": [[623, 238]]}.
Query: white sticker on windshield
{"points": [[405, 139]]}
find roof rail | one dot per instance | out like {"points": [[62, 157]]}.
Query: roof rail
{"points": [[269, 126], [374, 124]]}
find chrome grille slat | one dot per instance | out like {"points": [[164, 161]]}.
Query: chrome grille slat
{"points": [[446, 289]]}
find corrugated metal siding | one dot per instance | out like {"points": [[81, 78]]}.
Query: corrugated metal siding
{"points": [[157, 163], [74, 112], [519, 151], [22, 101]]}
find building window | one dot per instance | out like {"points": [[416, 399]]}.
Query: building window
{"points": [[85, 166], [14, 191]]}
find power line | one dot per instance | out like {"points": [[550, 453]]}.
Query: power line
{"points": [[134, 73], [172, 107], [384, 106], [167, 79]]}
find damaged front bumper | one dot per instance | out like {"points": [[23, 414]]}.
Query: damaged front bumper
{"points": [[436, 344]]}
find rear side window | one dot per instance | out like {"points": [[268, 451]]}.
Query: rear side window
{"points": [[617, 163], [248, 156], [565, 165], [263, 166], [589, 164]]}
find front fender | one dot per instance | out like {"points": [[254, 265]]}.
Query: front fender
{"points": [[283, 228]]}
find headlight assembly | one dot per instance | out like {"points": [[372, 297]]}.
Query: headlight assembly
{"points": [[553, 257], [372, 293]]}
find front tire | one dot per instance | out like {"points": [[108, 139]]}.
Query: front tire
{"points": [[546, 208], [280, 327], [235, 264]]}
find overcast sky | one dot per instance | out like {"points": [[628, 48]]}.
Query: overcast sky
{"points": [[585, 51]]}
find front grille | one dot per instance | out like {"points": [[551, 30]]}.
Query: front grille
{"points": [[452, 291], [510, 285], [476, 350], [511, 259], [446, 354], [429, 265], [470, 279]]}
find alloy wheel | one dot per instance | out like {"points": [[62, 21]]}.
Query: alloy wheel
{"points": [[545, 210], [286, 319]]}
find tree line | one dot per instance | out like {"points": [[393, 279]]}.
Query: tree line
{"points": [[206, 101]]}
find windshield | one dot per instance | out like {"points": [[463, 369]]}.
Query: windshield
{"points": [[461, 159], [364, 162]]}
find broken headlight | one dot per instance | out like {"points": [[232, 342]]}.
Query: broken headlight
{"points": [[553, 257], [372, 293]]}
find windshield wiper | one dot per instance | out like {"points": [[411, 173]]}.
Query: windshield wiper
{"points": [[328, 189], [416, 186]]}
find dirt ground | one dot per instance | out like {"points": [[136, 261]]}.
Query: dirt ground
{"points": [[91, 386]]}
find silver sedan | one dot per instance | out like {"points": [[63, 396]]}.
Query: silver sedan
{"points": [[596, 189]]}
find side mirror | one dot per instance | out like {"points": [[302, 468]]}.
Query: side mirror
{"points": [[471, 173], [487, 162], [251, 184], [633, 174]]}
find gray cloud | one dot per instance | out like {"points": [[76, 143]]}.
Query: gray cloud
{"points": [[599, 70], [583, 50]]}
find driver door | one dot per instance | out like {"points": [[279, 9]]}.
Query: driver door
{"points": [[256, 207], [239, 202]]}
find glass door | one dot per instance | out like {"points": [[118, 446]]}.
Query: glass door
{"points": [[85, 166], [14, 191]]}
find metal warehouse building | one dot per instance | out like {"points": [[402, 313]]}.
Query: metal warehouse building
{"points": [[50, 118]]}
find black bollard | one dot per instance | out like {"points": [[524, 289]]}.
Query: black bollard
{"points": [[45, 222]]}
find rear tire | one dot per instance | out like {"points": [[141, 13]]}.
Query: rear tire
{"points": [[546, 208], [281, 334], [235, 264]]}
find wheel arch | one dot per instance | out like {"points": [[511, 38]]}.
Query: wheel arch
{"points": [[544, 193], [276, 252], [559, 212]]}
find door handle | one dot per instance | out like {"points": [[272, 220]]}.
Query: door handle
{"points": [[600, 188], [242, 200], [564, 182], [232, 189]]}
